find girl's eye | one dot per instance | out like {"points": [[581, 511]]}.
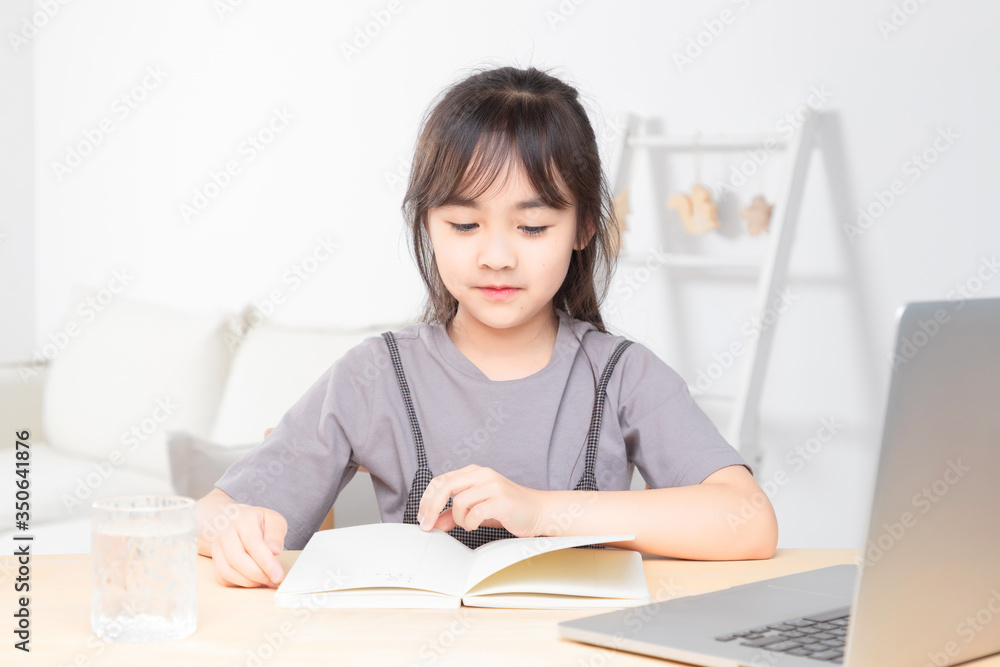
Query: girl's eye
{"points": [[463, 228]]}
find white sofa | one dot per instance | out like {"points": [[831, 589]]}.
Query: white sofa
{"points": [[125, 385]]}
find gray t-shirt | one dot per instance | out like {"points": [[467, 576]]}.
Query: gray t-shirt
{"points": [[531, 430]]}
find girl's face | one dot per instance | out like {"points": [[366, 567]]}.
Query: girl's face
{"points": [[509, 239]]}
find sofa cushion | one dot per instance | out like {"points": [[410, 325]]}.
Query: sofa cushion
{"points": [[272, 368], [65, 487], [134, 371], [21, 390], [196, 463]]}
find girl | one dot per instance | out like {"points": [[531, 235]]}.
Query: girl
{"points": [[534, 415]]}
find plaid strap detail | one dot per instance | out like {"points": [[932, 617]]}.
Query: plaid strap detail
{"points": [[588, 481]]}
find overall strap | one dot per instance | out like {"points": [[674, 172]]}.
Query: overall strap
{"points": [[423, 476], [397, 364], [588, 481]]}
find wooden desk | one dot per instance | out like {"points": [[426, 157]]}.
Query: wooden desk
{"points": [[238, 626]]}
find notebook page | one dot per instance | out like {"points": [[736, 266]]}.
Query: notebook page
{"points": [[595, 573], [379, 555], [497, 555]]}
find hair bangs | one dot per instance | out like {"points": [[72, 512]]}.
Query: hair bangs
{"points": [[479, 156]]}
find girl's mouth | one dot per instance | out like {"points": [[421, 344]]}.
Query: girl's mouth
{"points": [[499, 294]]}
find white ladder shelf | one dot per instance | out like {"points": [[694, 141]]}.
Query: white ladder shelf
{"points": [[772, 271]]}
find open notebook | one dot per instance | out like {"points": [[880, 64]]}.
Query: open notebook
{"points": [[396, 565]]}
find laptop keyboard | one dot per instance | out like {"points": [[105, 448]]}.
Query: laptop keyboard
{"points": [[817, 636]]}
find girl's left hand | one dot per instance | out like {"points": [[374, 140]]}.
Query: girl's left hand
{"points": [[482, 497]]}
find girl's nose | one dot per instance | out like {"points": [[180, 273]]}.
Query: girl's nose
{"points": [[497, 251]]}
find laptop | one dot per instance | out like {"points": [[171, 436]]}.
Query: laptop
{"points": [[926, 588]]}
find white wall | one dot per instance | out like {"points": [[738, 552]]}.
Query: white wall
{"points": [[335, 171], [17, 229]]}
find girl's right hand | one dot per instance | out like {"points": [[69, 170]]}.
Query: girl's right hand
{"points": [[242, 540]]}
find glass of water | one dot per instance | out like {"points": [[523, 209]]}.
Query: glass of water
{"points": [[144, 552]]}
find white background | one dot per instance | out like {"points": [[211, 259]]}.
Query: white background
{"points": [[337, 171]]}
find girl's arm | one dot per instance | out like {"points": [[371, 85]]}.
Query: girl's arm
{"points": [[726, 517]]}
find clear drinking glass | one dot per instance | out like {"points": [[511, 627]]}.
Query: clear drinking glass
{"points": [[143, 552]]}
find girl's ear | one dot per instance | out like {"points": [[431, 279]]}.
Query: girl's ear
{"points": [[580, 245]]}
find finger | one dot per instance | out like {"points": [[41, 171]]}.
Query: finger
{"points": [[429, 506], [480, 513], [252, 538], [274, 529], [239, 559], [224, 571], [255, 538], [465, 501], [445, 521], [439, 490]]}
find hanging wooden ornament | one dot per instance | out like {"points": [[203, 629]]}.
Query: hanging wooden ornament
{"points": [[757, 215], [698, 211]]}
